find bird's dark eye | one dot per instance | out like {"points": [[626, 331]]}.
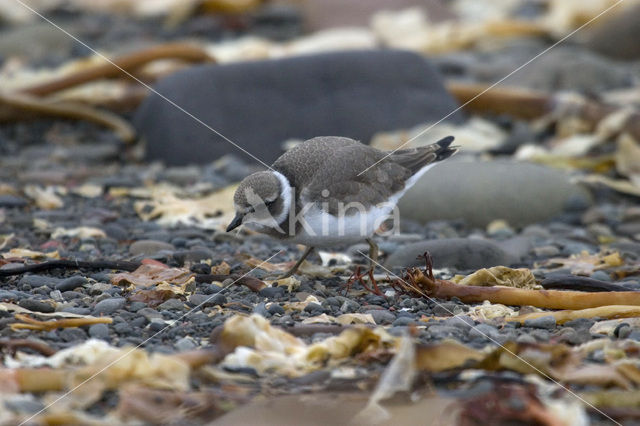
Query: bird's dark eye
{"points": [[269, 203]]}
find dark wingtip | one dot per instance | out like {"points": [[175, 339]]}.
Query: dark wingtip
{"points": [[445, 142], [445, 151]]}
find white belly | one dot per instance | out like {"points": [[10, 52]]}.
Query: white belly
{"points": [[321, 229]]}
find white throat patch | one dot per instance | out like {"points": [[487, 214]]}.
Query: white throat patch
{"points": [[285, 194]]}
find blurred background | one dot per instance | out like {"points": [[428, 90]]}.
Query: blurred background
{"points": [[540, 94]]}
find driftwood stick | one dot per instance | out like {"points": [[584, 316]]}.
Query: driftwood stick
{"points": [[72, 264], [129, 62], [16, 107]]}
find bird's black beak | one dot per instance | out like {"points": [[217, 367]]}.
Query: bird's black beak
{"points": [[237, 221]]}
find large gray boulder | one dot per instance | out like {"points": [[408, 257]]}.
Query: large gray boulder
{"points": [[260, 104], [481, 191], [457, 253]]}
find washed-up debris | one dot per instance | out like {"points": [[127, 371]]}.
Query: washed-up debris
{"points": [[500, 275], [214, 211], [29, 323], [160, 277], [423, 284], [585, 263]]}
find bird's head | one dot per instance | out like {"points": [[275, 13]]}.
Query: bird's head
{"points": [[262, 200]]}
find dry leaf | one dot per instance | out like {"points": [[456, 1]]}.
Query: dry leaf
{"points": [[30, 254], [628, 157], [585, 263], [257, 344], [45, 198], [81, 232], [214, 211], [177, 280], [29, 323], [501, 275]]}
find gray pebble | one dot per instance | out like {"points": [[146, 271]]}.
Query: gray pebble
{"points": [[122, 328], [261, 309], [108, 306], [276, 309], [149, 247], [8, 295], [99, 288], [99, 331], [156, 325], [171, 304], [185, 344], [218, 300], [12, 201], [381, 316], [37, 305], [149, 313], [72, 334], [484, 332], [541, 335], [314, 308], [402, 321], [601, 275], [136, 306], [71, 283], [272, 292], [463, 322], [39, 280], [525, 338], [547, 322]]}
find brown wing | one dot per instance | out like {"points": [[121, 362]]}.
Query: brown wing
{"points": [[339, 176]]}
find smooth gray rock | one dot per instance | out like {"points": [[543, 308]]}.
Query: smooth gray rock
{"points": [[108, 306], [616, 34], [261, 104], [456, 253], [482, 191], [548, 322], [99, 331], [573, 69], [149, 247]]}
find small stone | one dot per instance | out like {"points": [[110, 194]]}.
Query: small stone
{"points": [[546, 251], [74, 334], [171, 305], [71, 283], [201, 268], [314, 308], [36, 281], [275, 309], [218, 300], [381, 316], [37, 305], [185, 344], [601, 275], [99, 331], [484, 332], [546, 322], [99, 288], [261, 309], [272, 292], [136, 306], [156, 324], [526, 339], [108, 306], [149, 247], [402, 321], [12, 201], [149, 313], [23, 404]]}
